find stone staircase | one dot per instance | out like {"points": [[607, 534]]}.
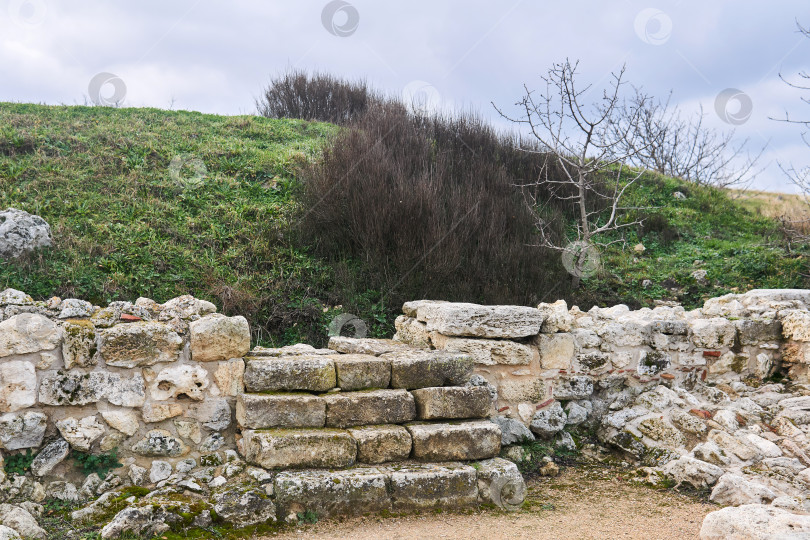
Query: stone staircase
{"points": [[369, 426]]}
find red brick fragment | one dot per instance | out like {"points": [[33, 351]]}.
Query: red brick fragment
{"points": [[711, 354], [130, 318], [668, 376]]}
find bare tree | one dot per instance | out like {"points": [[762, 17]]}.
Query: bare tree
{"points": [[798, 227], [686, 148], [590, 145]]}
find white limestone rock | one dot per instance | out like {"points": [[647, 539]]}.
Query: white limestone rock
{"points": [[28, 333], [21, 232], [754, 522], [460, 319], [81, 433], [185, 380]]}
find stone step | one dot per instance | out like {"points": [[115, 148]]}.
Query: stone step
{"points": [[452, 402], [361, 371], [424, 368], [402, 488], [370, 346], [455, 441], [381, 444], [298, 448], [280, 410], [313, 373], [346, 409]]}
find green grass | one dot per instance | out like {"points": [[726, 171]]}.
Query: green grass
{"points": [[125, 227], [740, 249]]}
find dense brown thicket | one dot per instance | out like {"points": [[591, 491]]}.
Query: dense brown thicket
{"points": [[431, 207], [321, 97]]}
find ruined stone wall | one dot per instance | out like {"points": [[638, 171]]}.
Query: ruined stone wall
{"points": [[152, 381], [532, 357]]}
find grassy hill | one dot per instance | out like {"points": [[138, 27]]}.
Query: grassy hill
{"points": [[125, 225]]}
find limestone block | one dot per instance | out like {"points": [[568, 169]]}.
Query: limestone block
{"points": [[217, 337], [358, 491], [412, 332], [22, 430], [244, 507], [213, 413], [486, 352], [28, 333], [460, 319], [549, 421], [451, 402], [18, 383], [512, 431], [375, 347], [311, 373], [298, 448], [433, 486], [661, 431], [49, 457], [344, 409], [556, 350], [500, 483], [158, 412], [379, 444], [573, 387], [422, 369], [183, 307], [556, 317], [160, 443], [796, 326], [79, 345], [754, 331], [139, 344], [229, 377], [80, 433], [280, 410], [528, 389], [477, 439], [177, 381], [754, 521], [712, 333], [361, 371], [125, 421]]}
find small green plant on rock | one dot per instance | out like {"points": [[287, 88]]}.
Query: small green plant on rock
{"points": [[307, 517], [19, 464], [100, 464]]}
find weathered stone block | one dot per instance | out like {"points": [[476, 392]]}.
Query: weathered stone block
{"points": [[81, 433], [379, 444], [28, 333], [358, 491], [556, 350], [217, 337], [375, 347], [310, 373], [796, 326], [22, 430], [139, 344], [452, 402], [244, 507], [477, 439], [77, 388], [753, 332], [213, 413], [526, 389], [362, 408], [158, 412], [49, 457], [575, 387], [460, 319], [430, 486], [556, 317], [124, 421], [18, 385], [230, 377], [549, 421], [412, 332], [79, 345], [422, 369], [500, 483], [712, 333], [361, 371], [174, 382], [487, 352], [298, 448], [260, 411], [160, 443]]}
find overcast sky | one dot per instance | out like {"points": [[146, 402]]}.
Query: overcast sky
{"points": [[215, 57]]}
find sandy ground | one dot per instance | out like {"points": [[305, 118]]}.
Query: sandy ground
{"points": [[579, 504]]}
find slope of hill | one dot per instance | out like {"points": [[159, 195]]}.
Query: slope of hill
{"points": [[146, 202]]}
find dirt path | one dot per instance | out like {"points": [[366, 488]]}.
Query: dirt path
{"points": [[579, 504]]}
